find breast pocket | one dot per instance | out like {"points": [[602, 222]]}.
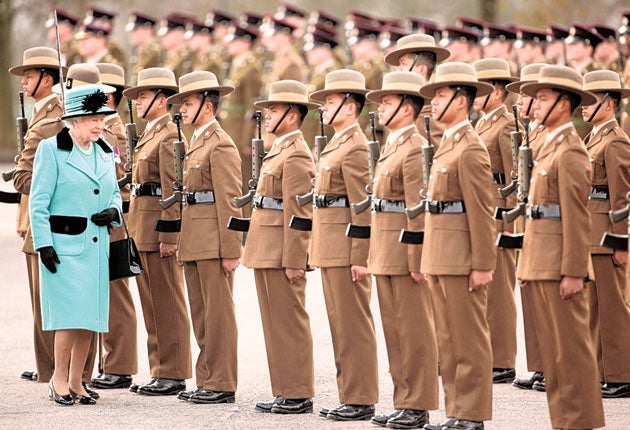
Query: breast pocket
{"points": [[598, 175], [330, 178], [445, 182], [146, 169], [198, 175], [271, 183]]}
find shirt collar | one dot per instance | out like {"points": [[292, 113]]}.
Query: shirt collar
{"points": [[552, 135], [151, 124], [341, 132], [40, 104], [395, 135], [492, 112], [199, 131], [285, 136], [599, 127], [451, 130]]}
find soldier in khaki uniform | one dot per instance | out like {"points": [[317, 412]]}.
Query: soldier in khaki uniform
{"points": [[459, 255], [92, 41], [161, 287], [580, 47], [207, 56], [147, 52], [340, 181], [498, 42], [607, 54], [278, 254], [462, 43], [120, 343], [105, 19], [555, 258], [609, 152], [172, 32], [529, 47], [418, 53], [210, 252], [67, 25], [495, 129], [403, 294]]}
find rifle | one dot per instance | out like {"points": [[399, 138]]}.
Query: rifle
{"points": [[517, 141], [179, 151], [428, 151], [22, 127], [374, 152], [306, 224], [525, 164], [130, 143], [258, 153], [618, 242]]}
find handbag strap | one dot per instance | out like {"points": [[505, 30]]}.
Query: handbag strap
{"points": [[122, 216]]}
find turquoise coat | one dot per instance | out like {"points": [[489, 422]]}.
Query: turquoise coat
{"points": [[66, 191]]}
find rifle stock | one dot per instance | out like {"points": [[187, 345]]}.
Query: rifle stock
{"points": [[130, 144], [258, 153], [21, 129], [179, 152], [374, 152], [428, 152]]}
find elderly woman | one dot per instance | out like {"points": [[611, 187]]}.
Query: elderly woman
{"points": [[74, 200]]}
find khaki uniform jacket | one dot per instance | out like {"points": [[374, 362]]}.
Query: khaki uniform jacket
{"points": [[551, 248], [286, 172], [114, 134], [150, 56], [456, 244], [289, 65], [398, 176], [609, 154], [211, 163], [496, 133], [211, 61], [153, 161], [343, 170], [235, 113], [70, 54], [179, 62], [437, 128]]}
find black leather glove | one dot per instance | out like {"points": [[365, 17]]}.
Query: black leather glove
{"points": [[49, 257], [105, 217]]}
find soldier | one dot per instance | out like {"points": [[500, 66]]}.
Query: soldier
{"points": [[210, 252], [609, 151], [161, 287], [403, 296], [498, 42], [67, 24], [296, 17], [537, 135], [388, 37], [207, 56], [319, 19], [221, 23], [105, 19], [459, 212], [556, 51], [555, 257], [495, 130], [418, 53], [147, 52], [172, 33], [92, 41], [278, 254], [340, 181], [461, 42], [530, 45], [580, 46], [287, 63], [120, 342], [607, 54]]}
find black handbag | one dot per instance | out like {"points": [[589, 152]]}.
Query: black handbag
{"points": [[124, 260]]}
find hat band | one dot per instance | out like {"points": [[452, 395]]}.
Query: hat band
{"points": [[200, 86], [493, 74], [344, 86], [41, 60], [602, 85], [565, 82], [456, 77], [402, 86], [286, 98], [417, 46], [112, 79], [530, 78], [157, 82]]}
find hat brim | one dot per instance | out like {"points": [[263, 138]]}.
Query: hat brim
{"points": [[515, 87], [132, 93], [624, 92], [376, 95], [320, 96], [483, 88], [19, 70], [586, 98], [268, 103], [223, 90], [393, 57], [103, 111]]}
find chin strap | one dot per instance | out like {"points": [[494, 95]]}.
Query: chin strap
{"points": [[448, 105], [343, 102], [402, 100], [158, 91], [599, 105], [203, 100], [281, 119], [39, 82], [560, 95], [415, 60]]}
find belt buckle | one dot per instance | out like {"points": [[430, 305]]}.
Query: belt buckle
{"points": [[190, 199]]}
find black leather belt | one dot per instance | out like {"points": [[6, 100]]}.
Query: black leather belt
{"points": [[543, 212], [331, 201], [498, 178], [382, 205], [439, 207], [261, 202], [600, 192], [200, 197], [146, 189]]}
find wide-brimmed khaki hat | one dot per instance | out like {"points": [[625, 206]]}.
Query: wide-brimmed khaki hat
{"points": [[198, 82], [529, 73], [398, 83], [561, 78], [287, 92], [416, 43], [493, 69], [604, 81], [341, 81], [152, 78], [82, 74], [40, 57], [456, 74], [112, 74]]}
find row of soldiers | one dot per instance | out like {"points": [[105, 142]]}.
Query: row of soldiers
{"points": [[442, 285]]}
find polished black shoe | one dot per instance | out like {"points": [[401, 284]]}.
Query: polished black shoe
{"points": [[65, 400], [409, 419], [210, 397], [465, 425], [616, 390], [503, 376], [293, 406], [381, 420], [134, 387], [351, 413], [93, 394], [185, 395], [266, 406], [29, 375], [81, 399], [539, 386], [527, 384], [163, 387], [108, 381], [444, 424], [323, 412]]}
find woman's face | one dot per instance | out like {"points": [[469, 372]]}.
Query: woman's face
{"points": [[89, 128]]}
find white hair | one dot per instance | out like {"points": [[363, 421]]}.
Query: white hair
{"points": [[69, 123]]}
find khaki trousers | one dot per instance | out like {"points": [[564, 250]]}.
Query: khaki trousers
{"points": [[532, 348]]}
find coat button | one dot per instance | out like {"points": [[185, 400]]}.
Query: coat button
{"points": [[95, 239], [96, 191], [66, 228]]}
